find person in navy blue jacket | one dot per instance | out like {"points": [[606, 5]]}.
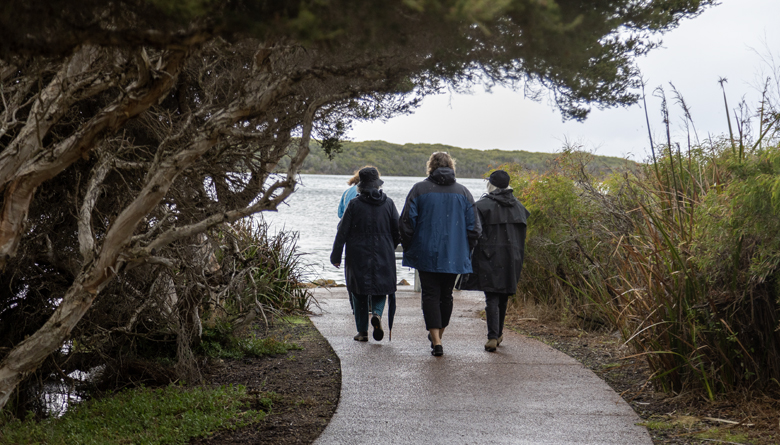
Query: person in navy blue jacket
{"points": [[439, 228], [369, 228]]}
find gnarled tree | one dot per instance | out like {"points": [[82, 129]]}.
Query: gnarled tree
{"points": [[128, 128]]}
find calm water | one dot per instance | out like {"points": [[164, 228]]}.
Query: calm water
{"points": [[312, 212]]}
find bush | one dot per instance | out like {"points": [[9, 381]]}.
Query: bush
{"points": [[146, 327], [680, 256], [565, 244]]}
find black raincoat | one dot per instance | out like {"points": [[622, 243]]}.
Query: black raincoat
{"points": [[369, 228], [497, 259]]}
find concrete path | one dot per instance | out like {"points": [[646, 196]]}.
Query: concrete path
{"points": [[395, 392]]}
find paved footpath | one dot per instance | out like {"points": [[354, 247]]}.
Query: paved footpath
{"points": [[395, 392]]}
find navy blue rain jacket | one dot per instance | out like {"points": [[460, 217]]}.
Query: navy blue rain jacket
{"points": [[369, 228], [439, 225]]}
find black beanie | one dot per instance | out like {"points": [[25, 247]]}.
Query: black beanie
{"points": [[500, 179]]}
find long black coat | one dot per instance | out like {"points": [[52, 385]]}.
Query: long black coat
{"points": [[497, 259], [369, 228]]}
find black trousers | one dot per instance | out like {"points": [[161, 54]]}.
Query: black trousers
{"points": [[495, 312], [436, 298]]}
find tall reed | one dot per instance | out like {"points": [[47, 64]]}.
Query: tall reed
{"points": [[681, 256]]}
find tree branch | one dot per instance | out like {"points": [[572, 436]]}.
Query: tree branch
{"points": [[28, 177], [86, 237]]}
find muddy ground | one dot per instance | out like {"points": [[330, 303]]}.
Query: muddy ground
{"points": [[302, 385]]}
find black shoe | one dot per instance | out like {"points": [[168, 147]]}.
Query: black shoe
{"points": [[438, 351], [361, 336], [430, 340], [378, 333]]}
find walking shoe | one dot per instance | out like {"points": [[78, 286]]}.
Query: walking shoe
{"points": [[438, 351], [499, 340], [361, 336], [378, 333], [491, 345]]}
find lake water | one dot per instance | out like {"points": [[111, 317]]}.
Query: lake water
{"points": [[312, 212]]}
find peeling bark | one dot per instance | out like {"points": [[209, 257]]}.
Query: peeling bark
{"points": [[34, 171]]}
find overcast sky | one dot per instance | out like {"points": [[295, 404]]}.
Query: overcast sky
{"points": [[727, 41]]}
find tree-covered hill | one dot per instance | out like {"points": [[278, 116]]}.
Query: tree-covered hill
{"points": [[409, 159]]}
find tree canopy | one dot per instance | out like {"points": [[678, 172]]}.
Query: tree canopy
{"points": [[124, 125], [582, 52]]}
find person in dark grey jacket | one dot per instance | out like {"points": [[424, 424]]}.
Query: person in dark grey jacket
{"points": [[438, 228], [369, 228], [497, 259]]}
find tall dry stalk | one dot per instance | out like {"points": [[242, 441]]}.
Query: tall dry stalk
{"points": [[680, 256]]}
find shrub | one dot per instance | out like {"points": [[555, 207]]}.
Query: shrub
{"points": [[680, 256]]}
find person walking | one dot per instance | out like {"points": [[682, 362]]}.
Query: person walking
{"points": [[497, 259], [439, 227], [350, 193], [369, 228]]}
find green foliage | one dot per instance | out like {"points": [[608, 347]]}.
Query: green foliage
{"points": [[564, 244], [182, 9], [657, 425], [258, 347], [722, 435], [680, 256], [171, 415], [219, 341], [296, 320], [270, 269], [743, 217], [409, 159]]}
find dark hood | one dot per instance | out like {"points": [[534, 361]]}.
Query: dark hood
{"points": [[503, 197], [443, 176], [373, 197], [508, 211]]}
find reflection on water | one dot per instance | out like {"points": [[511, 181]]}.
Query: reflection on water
{"points": [[63, 392], [312, 212], [59, 395]]}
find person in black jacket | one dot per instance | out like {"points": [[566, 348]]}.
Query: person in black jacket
{"points": [[497, 259], [369, 228], [439, 227]]}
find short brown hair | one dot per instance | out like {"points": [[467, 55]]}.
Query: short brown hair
{"points": [[439, 159], [356, 176]]}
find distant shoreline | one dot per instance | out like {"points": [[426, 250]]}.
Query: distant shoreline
{"points": [[409, 159]]}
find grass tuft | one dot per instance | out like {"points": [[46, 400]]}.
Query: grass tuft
{"points": [[170, 415], [228, 346]]}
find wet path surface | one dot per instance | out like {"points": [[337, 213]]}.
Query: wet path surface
{"points": [[525, 393]]}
